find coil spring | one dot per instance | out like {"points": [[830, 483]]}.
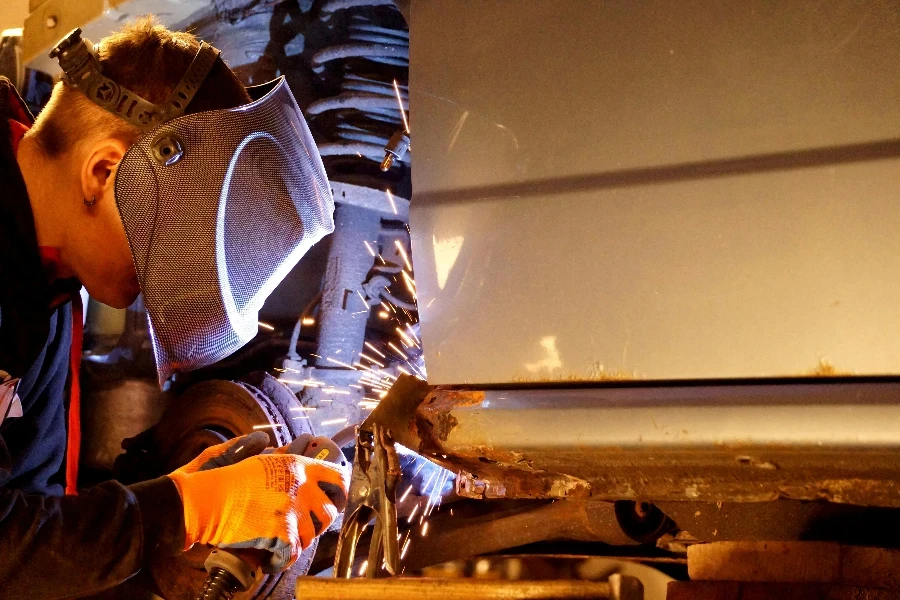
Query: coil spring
{"points": [[355, 124], [219, 585]]}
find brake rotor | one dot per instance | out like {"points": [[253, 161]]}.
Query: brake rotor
{"points": [[207, 414]]}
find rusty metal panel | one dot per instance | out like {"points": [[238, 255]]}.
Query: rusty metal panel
{"points": [[836, 442]]}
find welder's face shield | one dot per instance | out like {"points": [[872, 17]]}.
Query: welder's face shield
{"points": [[218, 207]]}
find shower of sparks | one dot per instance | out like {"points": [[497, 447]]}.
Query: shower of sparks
{"points": [[374, 378], [405, 548], [406, 493], [303, 382], [270, 426], [404, 371], [425, 487], [354, 386], [363, 567], [383, 315], [342, 364], [375, 350], [430, 303], [359, 365], [412, 331], [419, 373], [397, 350], [370, 359], [403, 254], [369, 248], [412, 514], [265, 326], [390, 198], [334, 421], [406, 339], [316, 355], [439, 488], [373, 383], [410, 282], [308, 321], [337, 391], [287, 370], [363, 298], [400, 102], [424, 528]]}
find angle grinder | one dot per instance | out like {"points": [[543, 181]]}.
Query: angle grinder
{"points": [[235, 570]]}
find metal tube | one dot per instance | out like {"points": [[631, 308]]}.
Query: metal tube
{"points": [[343, 314], [318, 588]]}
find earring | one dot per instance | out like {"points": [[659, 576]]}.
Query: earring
{"points": [[91, 203]]}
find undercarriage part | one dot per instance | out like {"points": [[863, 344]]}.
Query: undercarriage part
{"points": [[510, 525], [786, 520], [353, 127], [643, 522], [344, 311], [317, 588]]}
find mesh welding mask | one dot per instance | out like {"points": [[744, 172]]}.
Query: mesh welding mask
{"points": [[217, 208]]}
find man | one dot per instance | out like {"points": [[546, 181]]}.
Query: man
{"points": [[151, 169]]}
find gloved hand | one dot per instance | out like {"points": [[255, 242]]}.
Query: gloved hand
{"points": [[228, 453], [273, 502]]}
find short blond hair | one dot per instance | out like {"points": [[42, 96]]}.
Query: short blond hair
{"points": [[148, 59]]}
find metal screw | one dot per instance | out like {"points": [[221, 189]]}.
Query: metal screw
{"points": [[51, 22]]}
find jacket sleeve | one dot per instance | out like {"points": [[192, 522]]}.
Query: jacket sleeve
{"points": [[71, 546]]}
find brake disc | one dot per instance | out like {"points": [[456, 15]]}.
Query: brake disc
{"points": [[210, 413]]}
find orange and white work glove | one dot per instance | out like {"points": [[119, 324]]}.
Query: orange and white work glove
{"points": [[273, 502], [228, 453]]}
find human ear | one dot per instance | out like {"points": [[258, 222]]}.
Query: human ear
{"points": [[99, 168]]}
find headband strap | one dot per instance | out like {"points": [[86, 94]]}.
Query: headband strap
{"points": [[82, 68]]}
